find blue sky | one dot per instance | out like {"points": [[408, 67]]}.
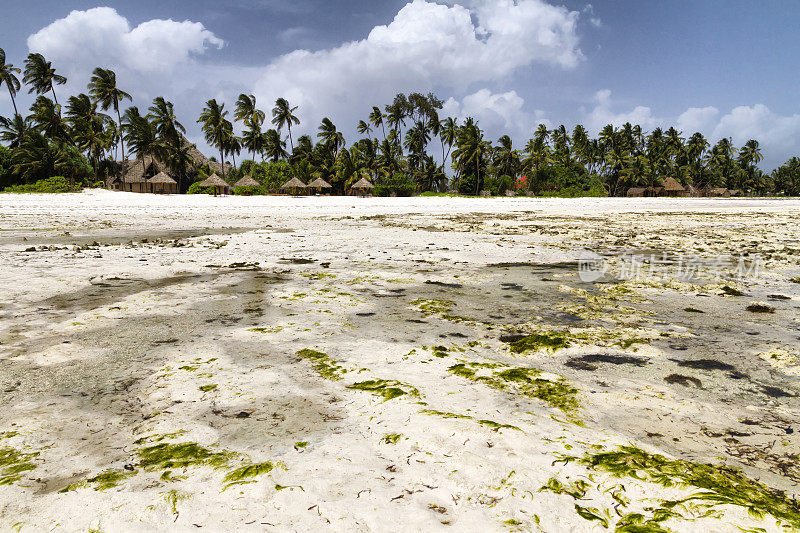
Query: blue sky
{"points": [[723, 67]]}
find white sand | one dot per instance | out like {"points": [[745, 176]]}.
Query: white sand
{"points": [[106, 345]]}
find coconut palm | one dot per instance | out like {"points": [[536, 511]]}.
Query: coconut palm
{"points": [[216, 128], [363, 128], [13, 130], [247, 112], [8, 77], [141, 135], [330, 136], [376, 119], [283, 115], [103, 87], [47, 119], [162, 115], [274, 146], [42, 77], [253, 139]]}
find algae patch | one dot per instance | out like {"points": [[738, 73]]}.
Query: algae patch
{"points": [[524, 381], [323, 364], [13, 464], [103, 481], [165, 456], [388, 389]]}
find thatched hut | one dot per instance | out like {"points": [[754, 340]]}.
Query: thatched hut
{"points": [[163, 184], [693, 191], [220, 186], [295, 186], [362, 186], [673, 188], [319, 185], [637, 192], [719, 192]]}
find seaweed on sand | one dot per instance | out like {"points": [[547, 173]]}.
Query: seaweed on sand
{"points": [[388, 389], [537, 341], [103, 481], [525, 381], [13, 464], [323, 364], [248, 471], [718, 484], [166, 455]]}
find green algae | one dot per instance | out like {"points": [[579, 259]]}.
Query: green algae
{"points": [[487, 423], [173, 497], [388, 389], [8, 434], [101, 482], [538, 341], [166, 456], [159, 437], [13, 464], [208, 388], [391, 438], [323, 364], [718, 484], [248, 471], [591, 514], [444, 414], [498, 426], [442, 308], [731, 291], [300, 445], [525, 381]]}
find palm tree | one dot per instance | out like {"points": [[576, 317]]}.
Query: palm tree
{"points": [[471, 151], [162, 115], [13, 130], [8, 76], [363, 128], [448, 130], [283, 115], [47, 119], [330, 136], [141, 135], [376, 119], [42, 77], [505, 158], [216, 127], [88, 128], [253, 139], [247, 112], [38, 158], [103, 87], [274, 146], [233, 146]]}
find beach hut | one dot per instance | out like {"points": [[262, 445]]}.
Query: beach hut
{"points": [[220, 185], [693, 191], [294, 185], [718, 192], [636, 192], [163, 184], [246, 182], [673, 188], [362, 186], [319, 185]]}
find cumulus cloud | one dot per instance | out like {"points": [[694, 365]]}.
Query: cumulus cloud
{"points": [[779, 133], [427, 46], [602, 114], [101, 35], [702, 119], [496, 113]]}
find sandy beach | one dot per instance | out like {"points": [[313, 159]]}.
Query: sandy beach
{"points": [[262, 363]]}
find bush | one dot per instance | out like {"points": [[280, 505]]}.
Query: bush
{"points": [[195, 188], [56, 184], [251, 191], [398, 184]]}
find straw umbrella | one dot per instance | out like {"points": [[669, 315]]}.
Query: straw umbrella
{"points": [[673, 188], [294, 185], [320, 184], [246, 182], [362, 185], [216, 182], [163, 180]]}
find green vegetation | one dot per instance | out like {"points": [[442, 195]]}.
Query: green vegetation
{"points": [[731, 291], [434, 307], [537, 341], [391, 438], [208, 388], [323, 364], [524, 381], [718, 484], [167, 456], [693, 310], [13, 464], [247, 472], [103, 481], [56, 184], [387, 389], [488, 423]]}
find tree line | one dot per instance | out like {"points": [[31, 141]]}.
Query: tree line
{"points": [[405, 148]]}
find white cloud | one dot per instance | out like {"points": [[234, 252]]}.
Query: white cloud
{"points": [[496, 113], [702, 119], [781, 134], [427, 46], [602, 114], [84, 39]]}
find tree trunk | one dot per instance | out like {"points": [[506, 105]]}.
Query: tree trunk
{"points": [[13, 101], [222, 163], [55, 99], [291, 143], [122, 144]]}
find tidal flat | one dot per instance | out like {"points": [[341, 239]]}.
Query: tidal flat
{"points": [[370, 364]]}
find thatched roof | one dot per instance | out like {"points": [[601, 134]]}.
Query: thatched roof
{"points": [[363, 183], [247, 181], [161, 178], [671, 184], [320, 183], [294, 183], [214, 181], [635, 192]]}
